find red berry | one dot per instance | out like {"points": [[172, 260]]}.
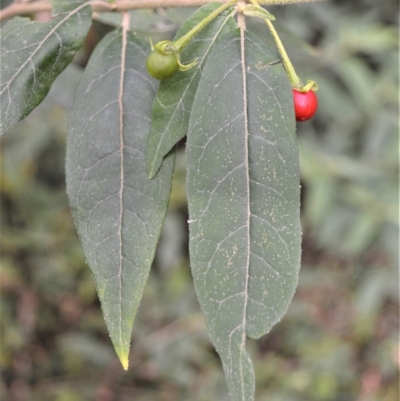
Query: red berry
{"points": [[305, 104]]}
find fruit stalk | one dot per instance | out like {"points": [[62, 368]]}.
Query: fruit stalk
{"points": [[185, 39], [293, 77]]}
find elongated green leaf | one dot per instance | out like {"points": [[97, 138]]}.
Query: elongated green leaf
{"points": [[243, 194], [175, 96], [33, 54], [118, 211]]}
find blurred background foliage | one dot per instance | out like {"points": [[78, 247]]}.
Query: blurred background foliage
{"points": [[339, 339]]}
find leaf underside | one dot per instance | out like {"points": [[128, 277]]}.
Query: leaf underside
{"points": [[118, 211], [175, 96], [33, 55], [244, 195]]}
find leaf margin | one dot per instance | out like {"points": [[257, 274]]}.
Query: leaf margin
{"points": [[7, 122]]}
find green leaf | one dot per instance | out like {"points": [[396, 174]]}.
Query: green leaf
{"points": [[33, 55], [118, 211], [175, 96], [66, 5], [244, 196], [256, 11]]}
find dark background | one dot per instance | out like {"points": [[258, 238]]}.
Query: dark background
{"points": [[339, 339]]}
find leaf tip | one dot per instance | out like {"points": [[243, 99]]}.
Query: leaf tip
{"points": [[123, 356], [124, 359], [152, 172], [153, 164]]}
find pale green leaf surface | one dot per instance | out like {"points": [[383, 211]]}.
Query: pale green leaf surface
{"points": [[118, 211], [175, 96], [33, 54], [60, 6], [244, 196]]}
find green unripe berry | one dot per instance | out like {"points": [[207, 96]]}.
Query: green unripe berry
{"points": [[162, 66]]}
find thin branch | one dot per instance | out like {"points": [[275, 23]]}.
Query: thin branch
{"points": [[125, 5], [24, 8]]}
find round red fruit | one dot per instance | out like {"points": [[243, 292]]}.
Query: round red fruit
{"points": [[305, 104]]}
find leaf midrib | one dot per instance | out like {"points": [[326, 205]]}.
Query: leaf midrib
{"points": [[125, 27], [246, 163]]}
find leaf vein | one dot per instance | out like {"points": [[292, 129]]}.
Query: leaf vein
{"points": [[41, 43]]}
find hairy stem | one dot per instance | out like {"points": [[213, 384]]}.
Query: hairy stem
{"points": [[124, 5]]}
